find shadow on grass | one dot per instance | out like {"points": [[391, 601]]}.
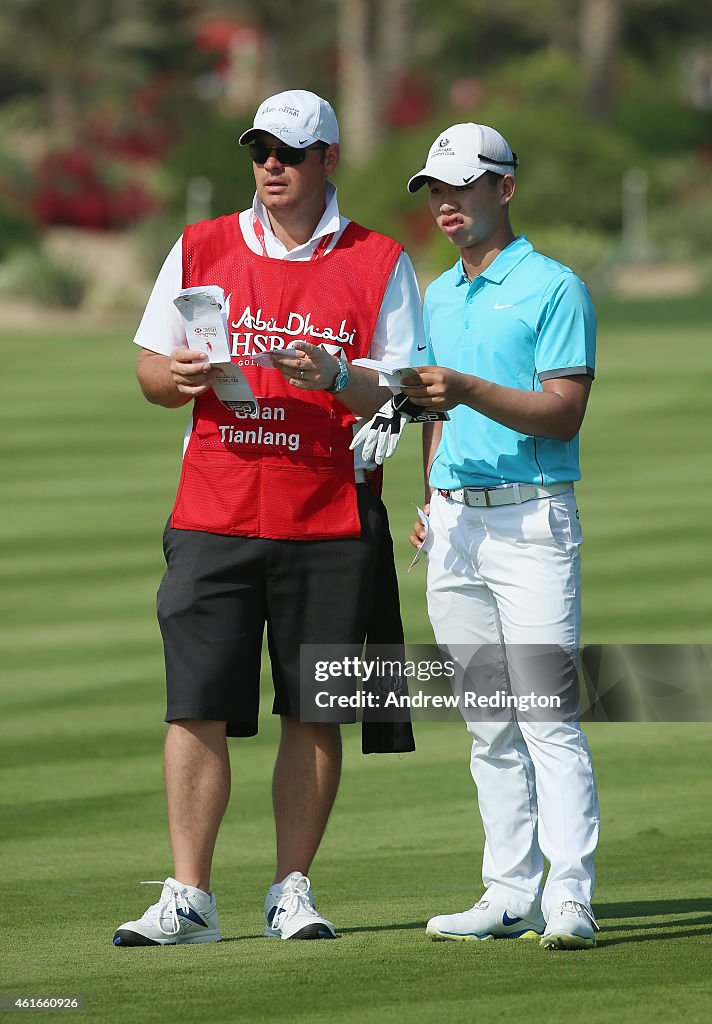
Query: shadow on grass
{"points": [[649, 920], [410, 926], [347, 931], [641, 920]]}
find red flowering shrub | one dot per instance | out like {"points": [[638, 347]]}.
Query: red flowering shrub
{"points": [[72, 189]]}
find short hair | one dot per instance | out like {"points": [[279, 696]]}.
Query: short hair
{"points": [[491, 177]]}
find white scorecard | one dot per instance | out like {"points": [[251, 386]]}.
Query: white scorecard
{"points": [[389, 375], [204, 314]]}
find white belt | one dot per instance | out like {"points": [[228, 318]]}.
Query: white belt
{"points": [[509, 494]]}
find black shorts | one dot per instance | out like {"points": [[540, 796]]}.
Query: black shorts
{"points": [[218, 593]]}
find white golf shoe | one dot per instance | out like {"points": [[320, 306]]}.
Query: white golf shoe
{"points": [[290, 912], [182, 914], [486, 920], [570, 927]]}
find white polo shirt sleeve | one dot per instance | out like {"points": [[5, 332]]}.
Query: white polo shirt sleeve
{"points": [[161, 328], [398, 337], [566, 334]]}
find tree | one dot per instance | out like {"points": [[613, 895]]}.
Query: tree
{"points": [[371, 48], [70, 53], [600, 28], [298, 36]]}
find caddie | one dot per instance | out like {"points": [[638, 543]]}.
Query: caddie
{"points": [[272, 525]]}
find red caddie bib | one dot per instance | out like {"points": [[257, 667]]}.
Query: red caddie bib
{"points": [[287, 472]]}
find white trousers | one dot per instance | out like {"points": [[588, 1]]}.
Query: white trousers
{"points": [[508, 576]]}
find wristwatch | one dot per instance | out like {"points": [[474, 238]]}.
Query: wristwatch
{"points": [[341, 379]]}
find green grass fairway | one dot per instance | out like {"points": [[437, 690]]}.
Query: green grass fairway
{"points": [[88, 476]]}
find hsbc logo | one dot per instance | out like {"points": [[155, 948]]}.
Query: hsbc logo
{"points": [[256, 332]]}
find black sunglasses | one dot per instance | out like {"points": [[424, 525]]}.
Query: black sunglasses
{"points": [[289, 155]]}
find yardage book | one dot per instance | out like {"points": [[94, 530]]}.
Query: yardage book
{"points": [[389, 375], [204, 314]]}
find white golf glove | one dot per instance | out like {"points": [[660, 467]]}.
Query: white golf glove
{"points": [[380, 435]]}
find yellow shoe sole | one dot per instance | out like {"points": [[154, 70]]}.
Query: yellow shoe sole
{"points": [[566, 942], [452, 937]]}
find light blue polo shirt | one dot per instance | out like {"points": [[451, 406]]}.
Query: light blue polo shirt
{"points": [[524, 319]]}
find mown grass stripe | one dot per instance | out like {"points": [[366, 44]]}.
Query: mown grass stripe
{"points": [[90, 474]]}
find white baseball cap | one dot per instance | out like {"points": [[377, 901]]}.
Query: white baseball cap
{"points": [[297, 117], [462, 153]]}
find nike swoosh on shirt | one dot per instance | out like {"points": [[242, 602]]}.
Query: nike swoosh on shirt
{"points": [[421, 348]]}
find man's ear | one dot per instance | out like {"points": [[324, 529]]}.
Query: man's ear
{"points": [[507, 186], [331, 157]]}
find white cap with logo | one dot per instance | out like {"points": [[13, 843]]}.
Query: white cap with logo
{"points": [[462, 153], [297, 117]]}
